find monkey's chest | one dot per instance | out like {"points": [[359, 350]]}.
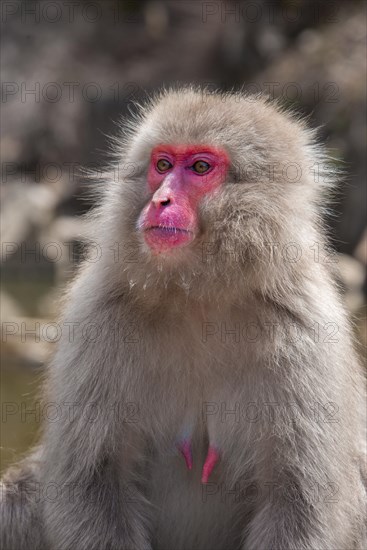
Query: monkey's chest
{"points": [[198, 431], [194, 418], [198, 405], [190, 513]]}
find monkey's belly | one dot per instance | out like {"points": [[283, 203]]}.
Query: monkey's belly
{"points": [[189, 515]]}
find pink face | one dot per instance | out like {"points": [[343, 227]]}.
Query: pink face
{"points": [[179, 177]]}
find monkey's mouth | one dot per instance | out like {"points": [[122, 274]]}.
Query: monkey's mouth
{"points": [[163, 237], [166, 229]]}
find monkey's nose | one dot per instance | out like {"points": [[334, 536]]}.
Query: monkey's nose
{"points": [[161, 201]]}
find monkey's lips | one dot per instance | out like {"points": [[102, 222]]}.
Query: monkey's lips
{"points": [[161, 237]]}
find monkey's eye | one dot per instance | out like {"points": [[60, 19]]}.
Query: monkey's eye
{"points": [[163, 165], [200, 167]]}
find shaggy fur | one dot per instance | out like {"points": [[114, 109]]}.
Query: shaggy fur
{"points": [[240, 339]]}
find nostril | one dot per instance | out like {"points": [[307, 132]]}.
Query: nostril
{"points": [[165, 202]]}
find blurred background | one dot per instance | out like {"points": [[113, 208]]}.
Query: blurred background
{"points": [[71, 69]]}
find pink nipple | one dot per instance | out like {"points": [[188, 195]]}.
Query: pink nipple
{"points": [[211, 459], [185, 449]]}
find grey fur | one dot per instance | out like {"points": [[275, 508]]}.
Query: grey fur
{"points": [[291, 460]]}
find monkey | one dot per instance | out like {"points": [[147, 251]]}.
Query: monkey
{"points": [[208, 391]]}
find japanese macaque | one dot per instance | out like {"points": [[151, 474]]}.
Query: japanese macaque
{"points": [[207, 392]]}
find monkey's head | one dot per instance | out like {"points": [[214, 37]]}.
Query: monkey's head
{"points": [[179, 177], [216, 184]]}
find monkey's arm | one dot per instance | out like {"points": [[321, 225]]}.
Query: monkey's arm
{"points": [[307, 462], [21, 524], [97, 513], [89, 454]]}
